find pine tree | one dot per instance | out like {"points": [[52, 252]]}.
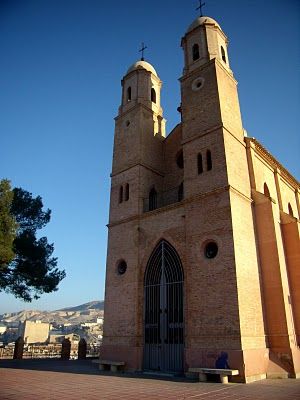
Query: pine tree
{"points": [[7, 224], [27, 266]]}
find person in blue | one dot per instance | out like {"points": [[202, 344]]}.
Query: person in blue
{"points": [[222, 361]]}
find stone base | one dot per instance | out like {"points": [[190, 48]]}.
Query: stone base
{"points": [[253, 365], [277, 375], [284, 363], [255, 378]]}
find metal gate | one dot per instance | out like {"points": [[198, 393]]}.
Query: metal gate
{"points": [[163, 311]]}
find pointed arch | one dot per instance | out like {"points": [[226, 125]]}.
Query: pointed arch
{"points": [[266, 190], [195, 51], [163, 310], [172, 265]]}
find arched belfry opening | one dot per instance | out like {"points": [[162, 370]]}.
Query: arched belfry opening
{"points": [[163, 310], [223, 54], [153, 95], [195, 50], [129, 93]]}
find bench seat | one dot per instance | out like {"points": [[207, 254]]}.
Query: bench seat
{"points": [[114, 365], [224, 373]]}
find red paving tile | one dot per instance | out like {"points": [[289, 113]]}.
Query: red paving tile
{"points": [[27, 384]]}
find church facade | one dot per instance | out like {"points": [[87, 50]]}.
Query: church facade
{"points": [[203, 246]]}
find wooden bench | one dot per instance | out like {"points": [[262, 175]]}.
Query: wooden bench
{"points": [[113, 365], [224, 373]]}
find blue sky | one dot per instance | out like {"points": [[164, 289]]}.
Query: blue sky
{"points": [[61, 66]]}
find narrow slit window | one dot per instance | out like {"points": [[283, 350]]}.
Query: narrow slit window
{"points": [[121, 194], [208, 160], [129, 93], [290, 210], [152, 199], [179, 159], [153, 95], [180, 192], [195, 52], [200, 163], [127, 192], [223, 54]]}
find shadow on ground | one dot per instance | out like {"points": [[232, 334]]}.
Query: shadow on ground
{"points": [[85, 367], [69, 366]]}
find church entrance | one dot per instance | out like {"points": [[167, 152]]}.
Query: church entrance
{"points": [[163, 311]]}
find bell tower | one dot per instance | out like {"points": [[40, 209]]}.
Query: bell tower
{"points": [[140, 116], [139, 133], [216, 175], [211, 118], [204, 41], [137, 166]]}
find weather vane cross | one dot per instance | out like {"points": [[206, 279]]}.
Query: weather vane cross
{"points": [[200, 8], [143, 47]]}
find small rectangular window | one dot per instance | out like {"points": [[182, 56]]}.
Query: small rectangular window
{"points": [[208, 160], [200, 164]]}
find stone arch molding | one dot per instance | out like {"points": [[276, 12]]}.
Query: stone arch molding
{"points": [[173, 266], [151, 248]]}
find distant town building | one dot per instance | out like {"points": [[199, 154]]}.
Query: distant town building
{"points": [[3, 329], [58, 337], [34, 331], [89, 324]]}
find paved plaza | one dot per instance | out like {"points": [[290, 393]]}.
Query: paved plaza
{"points": [[81, 380]]}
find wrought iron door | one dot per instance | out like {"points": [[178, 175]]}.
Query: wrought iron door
{"points": [[163, 311]]}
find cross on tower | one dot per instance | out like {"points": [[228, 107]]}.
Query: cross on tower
{"points": [[142, 50], [200, 8]]}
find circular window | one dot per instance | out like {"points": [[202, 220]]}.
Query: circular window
{"points": [[211, 250], [122, 267], [197, 84], [179, 159]]}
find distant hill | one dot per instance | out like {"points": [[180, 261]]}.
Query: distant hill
{"points": [[74, 315], [96, 304]]}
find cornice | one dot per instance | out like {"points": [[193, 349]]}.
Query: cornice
{"points": [[201, 67], [263, 152], [141, 71], [135, 106]]}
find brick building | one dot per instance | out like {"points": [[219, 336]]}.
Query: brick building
{"points": [[203, 246]]}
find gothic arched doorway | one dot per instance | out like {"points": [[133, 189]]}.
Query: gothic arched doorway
{"points": [[163, 310]]}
